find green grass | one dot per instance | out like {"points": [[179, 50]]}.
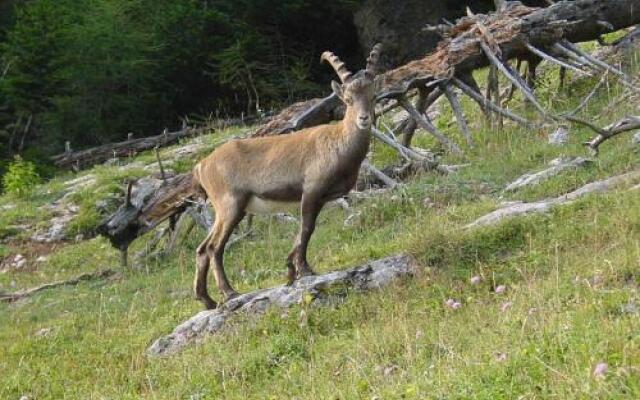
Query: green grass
{"points": [[570, 276]]}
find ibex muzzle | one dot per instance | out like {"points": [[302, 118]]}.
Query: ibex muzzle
{"points": [[304, 169]]}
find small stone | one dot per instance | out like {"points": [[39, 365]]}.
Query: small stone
{"points": [[389, 370], [630, 308], [20, 264], [13, 284], [79, 237], [475, 280], [636, 139], [41, 259], [453, 304], [353, 219], [500, 289], [501, 357], [18, 257], [559, 137], [427, 202], [44, 332], [600, 370]]}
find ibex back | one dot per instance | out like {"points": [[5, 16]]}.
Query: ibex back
{"points": [[263, 175]]}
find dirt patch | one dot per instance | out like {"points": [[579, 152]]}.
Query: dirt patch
{"points": [[26, 256]]}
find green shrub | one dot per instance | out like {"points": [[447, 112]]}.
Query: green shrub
{"points": [[21, 177]]}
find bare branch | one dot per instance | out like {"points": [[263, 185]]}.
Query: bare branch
{"points": [[591, 94], [514, 78], [585, 123], [406, 153], [554, 60], [624, 125], [388, 181], [127, 201], [11, 297], [424, 123], [489, 105], [457, 111], [162, 173], [593, 60]]}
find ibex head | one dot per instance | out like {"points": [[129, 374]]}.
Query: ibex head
{"points": [[356, 91]]}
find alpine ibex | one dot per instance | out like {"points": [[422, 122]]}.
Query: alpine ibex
{"points": [[266, 174]]}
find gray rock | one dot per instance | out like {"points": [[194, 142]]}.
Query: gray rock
{"points": [[559, 137], [55, 232], [636, 139], [316, 289]]}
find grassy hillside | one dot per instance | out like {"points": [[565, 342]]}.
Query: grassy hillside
{"points": [[571, 281]]}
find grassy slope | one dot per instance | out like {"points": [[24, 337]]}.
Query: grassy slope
{"points": [[568, 276]]}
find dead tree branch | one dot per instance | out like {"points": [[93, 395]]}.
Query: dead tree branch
{"points": [[457, 111], [11, 297], [624, 125]]}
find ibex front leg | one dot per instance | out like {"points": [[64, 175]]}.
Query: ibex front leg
{"points": [[310, 207]]}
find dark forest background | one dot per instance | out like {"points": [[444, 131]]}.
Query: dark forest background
{"points": [[90, 71]]}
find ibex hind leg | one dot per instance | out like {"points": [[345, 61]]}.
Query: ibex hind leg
{"points": [[202, 268], [228, 216]]}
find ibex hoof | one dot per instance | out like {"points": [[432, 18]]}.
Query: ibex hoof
{"points": [[209, 304], [230, 296], [306, 272]]}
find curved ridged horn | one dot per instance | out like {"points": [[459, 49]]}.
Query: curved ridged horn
{"points": [[343, 73], [372, 61]]}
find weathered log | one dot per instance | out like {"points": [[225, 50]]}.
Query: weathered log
{"points": [[513, 29], [96, 155], [555, 167], [514, 209], [312, 289]]}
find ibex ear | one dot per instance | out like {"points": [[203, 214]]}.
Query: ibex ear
{"points": [[337, 89]]}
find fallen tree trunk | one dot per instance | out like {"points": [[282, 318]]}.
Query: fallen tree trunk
{"points": [[515, 32], [96, 155], [312, 289], [514, 209]]}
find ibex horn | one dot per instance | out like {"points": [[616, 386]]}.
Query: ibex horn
{"points": [[343, 73], [372, 61]]}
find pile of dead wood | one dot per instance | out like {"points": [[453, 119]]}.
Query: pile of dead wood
{"points": [[517, 32]]}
